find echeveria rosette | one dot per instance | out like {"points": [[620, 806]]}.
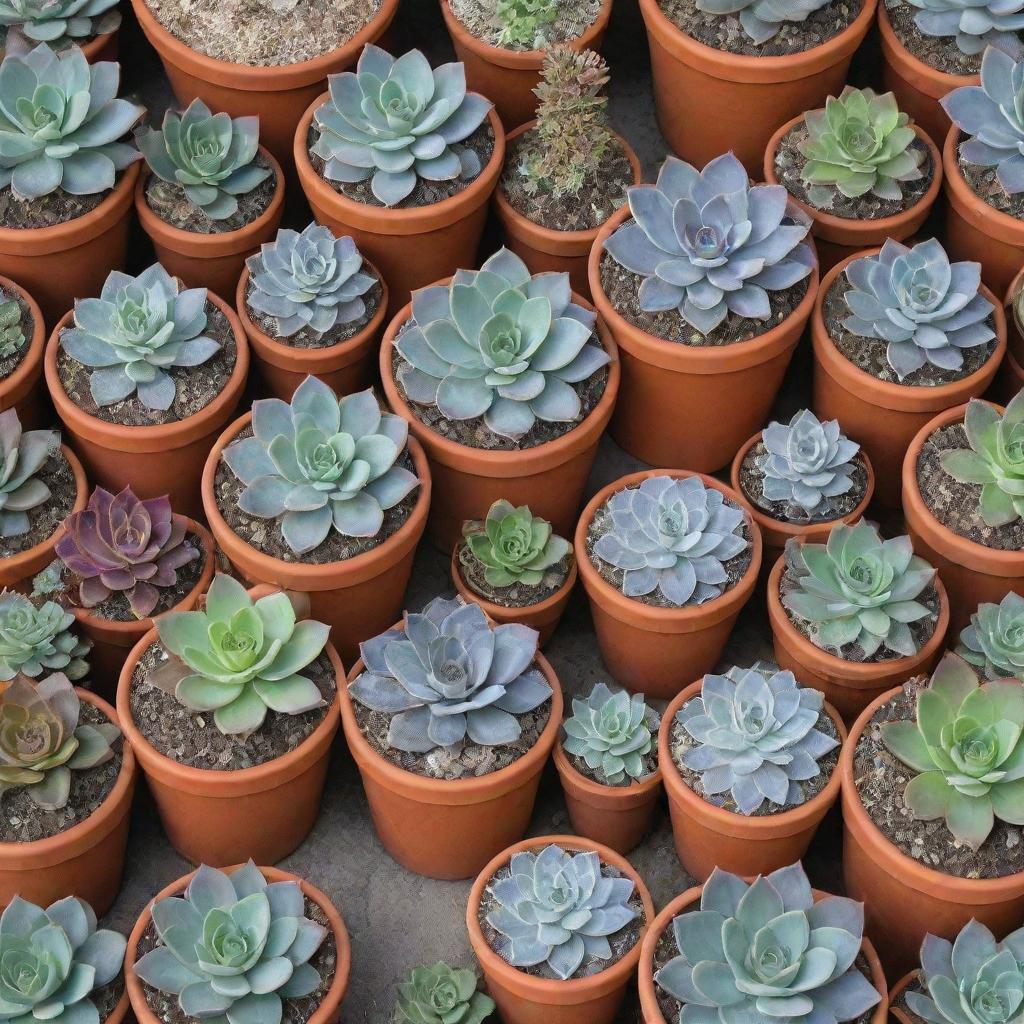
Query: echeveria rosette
{"points": [[59, 22], [513, 545], [762, 19], [442, 995], [12, 337], [34, 639], [23, 453], [708, 243], [977, 24], [994, 640]]}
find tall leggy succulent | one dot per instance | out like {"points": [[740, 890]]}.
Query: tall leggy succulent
{"points": [[513, 545], [977, 24], [708, 243], [22, 455], [34, 639], [397, 121], [994, 640], [442, 995], [59, 22]]}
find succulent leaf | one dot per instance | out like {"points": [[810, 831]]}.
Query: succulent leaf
{"points": [[762, 19], [977, 24], [442, 995], [612, 732], [12, 337], [34, 639], [513, 545], [994, 640], [523, 22], [22, 455], [59, 22]]}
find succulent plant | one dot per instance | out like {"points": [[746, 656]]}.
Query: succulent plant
{"points": [[33, 639], [500, 344], [12, 337], [211, 156], [672, 536], [22, 455], [523, 22], [42, 741], [59, 22], [397, 121], [310, 281], [138, 329], [514, 545], [449, 675], [60, 122], [708, 243], [995, 459], [53, 960], [858, 589], [994, 640], [233, 947], [806, 462], [612, 732], [321, 464], [977, 24], [762, 19], [241, 657], [756, 736], [124, 544], [927, 309], [442, 995], [557, 907], [765, 951]]}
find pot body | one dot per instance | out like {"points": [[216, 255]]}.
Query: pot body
{"points": [[1010, 378], [20, 389]]}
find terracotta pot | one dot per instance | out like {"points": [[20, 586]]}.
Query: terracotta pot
{"points": [[277, 94], [848, 686], [1010, 378], [883, 416], [972, 573], [549, 477], [347, 366], [442, 828], [412, 246], [329, 1009], [618, 817], [525, 999], [835, 237], [103, 47], [741, 99], [904, 898], [21, 388], [213, 261], [116, 456], [661, 377], [707, 837], [898, 1013], [71, 261], [87, 859], [659, 651]]}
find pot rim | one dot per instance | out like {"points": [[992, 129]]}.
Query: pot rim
{"points": [[17, 384], [635, 794], [897, 990], [916, 71]]}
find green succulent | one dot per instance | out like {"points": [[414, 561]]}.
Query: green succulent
{"points": [[523, 22], [59, 22], [34, 639], [22, 455], [994, 640], [442, 995], [12, 337], [513, 545]]}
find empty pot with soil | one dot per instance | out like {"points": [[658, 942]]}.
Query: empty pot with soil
{"points": [[22, 340]]}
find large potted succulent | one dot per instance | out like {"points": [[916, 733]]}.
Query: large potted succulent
{"points": [[577, 969], [932, 804], [89, 24], [450, 721], [706, 313], [431, 993], [508, 381], [668, 559], [39, 637], [413, 195], [900, 334], [22, 340]]}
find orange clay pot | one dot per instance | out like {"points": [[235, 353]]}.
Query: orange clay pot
{"points": [[329, 1009], [898, 1013], [661, 377], [508, 77], [707, 837], [659, 651], [838, 237], [904, 899], [412, 246], [545, 249], [222, 817], [883, 416], [848, 686], [21, 388], [972, 573], [277, 94], [216, 260], [450, 828], [71, 261], [88, 858], [549, 477], [102, 47], [525, 999], [347, 366], [1010, 378], [117, 456], [741, 99]]}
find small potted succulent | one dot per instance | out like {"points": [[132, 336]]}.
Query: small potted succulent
{"points": [[856, 615], [667, 558], [706, 313], [577, 969], [768, 949], [37, 637], [566, 172], [859, 169], [312, 304], [508, 381], [323, 496], [438, 994], [900, 334], [66, 784], [932, 803], [89, 24], [994, 641], [749, 760], [446, 714], [515, 568], [247, 943], [22, 340], [607, 760], [211, 195], [413, 195]]}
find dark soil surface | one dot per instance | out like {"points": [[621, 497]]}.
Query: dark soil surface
{"points": [[8, 364], [106, 998], [939, 52], [58, 207], [515, 595], [983, 183], [44, 519], [573, 18]]}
